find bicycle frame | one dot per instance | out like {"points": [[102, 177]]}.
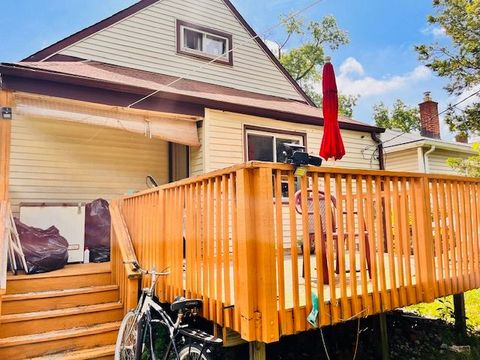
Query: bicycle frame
{"points": [[142, 315], [144, 307]]}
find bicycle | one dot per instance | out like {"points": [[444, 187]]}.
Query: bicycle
{"points": [[135, 336]]}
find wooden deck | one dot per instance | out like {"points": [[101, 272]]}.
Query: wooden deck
{"points": [[230, 237], [326, 287]]}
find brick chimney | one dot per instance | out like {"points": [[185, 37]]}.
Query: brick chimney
{"points": [[429, 119]]}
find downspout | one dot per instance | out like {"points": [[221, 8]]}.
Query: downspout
{"points": [[426, 165], [381, 158]]}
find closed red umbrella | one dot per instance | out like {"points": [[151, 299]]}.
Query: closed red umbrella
{"points": [[332, 143]]}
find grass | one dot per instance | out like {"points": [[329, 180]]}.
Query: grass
{"points": [[443, 308]]}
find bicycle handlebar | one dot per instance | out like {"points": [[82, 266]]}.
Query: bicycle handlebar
{"points": [[136, 267]]}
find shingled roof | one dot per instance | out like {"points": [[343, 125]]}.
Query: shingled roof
{"points": [[101, 75]]}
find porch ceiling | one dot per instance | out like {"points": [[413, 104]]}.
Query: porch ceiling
{"points": [[175, 128]]}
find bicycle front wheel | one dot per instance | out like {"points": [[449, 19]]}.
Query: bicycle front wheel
{"points": [[126, 345], [193, 351]]}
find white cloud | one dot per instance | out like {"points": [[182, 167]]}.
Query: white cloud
{"points": [[273, 46], [352, 80], [351, 66], [435, 31]]}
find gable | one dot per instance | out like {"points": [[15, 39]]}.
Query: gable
{"points": [[145, 38]]}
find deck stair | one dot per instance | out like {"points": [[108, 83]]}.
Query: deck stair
{"points": [[73, 313]]}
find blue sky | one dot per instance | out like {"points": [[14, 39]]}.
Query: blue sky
{"points": [[379, 63]]}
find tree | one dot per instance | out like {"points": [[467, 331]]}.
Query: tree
{"points": [[469, 166], [459, 59], [400, 117], [305, 61]]}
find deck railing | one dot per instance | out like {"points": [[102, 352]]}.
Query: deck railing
{"points": [[122, 258], [372, 241]]}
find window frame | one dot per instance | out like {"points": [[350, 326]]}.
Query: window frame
{"points": [[275, 133], [181, 25]]}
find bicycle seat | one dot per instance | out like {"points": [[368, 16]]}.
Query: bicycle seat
{"points": [[182, 303]]}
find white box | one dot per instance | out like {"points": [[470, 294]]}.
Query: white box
{"points": [[68, 218]]}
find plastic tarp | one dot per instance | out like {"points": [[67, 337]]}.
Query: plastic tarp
{"points": [[97, 230], [45, 250]]}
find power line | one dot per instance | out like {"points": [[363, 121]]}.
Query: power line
{"points": [[292, 16], [280, 23]]}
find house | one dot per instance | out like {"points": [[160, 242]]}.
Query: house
{"points": [[186, 92], [206, 111], [169, 89], [424, 152]]}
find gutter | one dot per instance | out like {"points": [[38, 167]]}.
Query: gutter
{"points": [[426, 165], [381, 157], [438, 144]]}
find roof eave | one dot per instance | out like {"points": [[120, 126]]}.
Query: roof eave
{"points": [[427, 142], [55, 77], [53, 49]]}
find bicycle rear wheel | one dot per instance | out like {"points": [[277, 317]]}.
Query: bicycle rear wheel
{"points": [[126, 345], [193, 351]]}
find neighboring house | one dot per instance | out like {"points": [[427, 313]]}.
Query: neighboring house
{"points": [[424, 152]]}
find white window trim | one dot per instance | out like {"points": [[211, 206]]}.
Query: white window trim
{"points": [[224, 56]]}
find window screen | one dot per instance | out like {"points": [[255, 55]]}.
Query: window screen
{"points": [[260, 147], [193, 40]]}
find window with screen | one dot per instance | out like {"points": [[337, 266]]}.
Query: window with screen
{"points": [[201, 42], [265, 145]]}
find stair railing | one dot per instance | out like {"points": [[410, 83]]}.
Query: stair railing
{"points": [[122, 258]]}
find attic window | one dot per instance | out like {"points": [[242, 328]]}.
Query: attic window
{"points": [[204, 43]]}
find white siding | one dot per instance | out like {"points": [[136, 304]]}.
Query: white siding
{"points": [[405, 160], [196, 155], [438, 161], [224, 146], [224, 141], [55, 161], [147, 41]]}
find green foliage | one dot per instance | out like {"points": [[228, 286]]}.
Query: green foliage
{"points": [[442, 308], [445, 309], [346, 103], [465, 121], [469, 166], [459, 60], [305, 61], [400, 117]]}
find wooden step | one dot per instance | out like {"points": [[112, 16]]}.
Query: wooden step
{"points": [[58, 299], [70, 277], [44, 344], [98, 353], [53, 320]]}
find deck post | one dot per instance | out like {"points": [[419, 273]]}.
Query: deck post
{"points": [[247, 297], [257, 351], [265, 255], [384, 347], [256, 253], [5, 138], [459, 311]]}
